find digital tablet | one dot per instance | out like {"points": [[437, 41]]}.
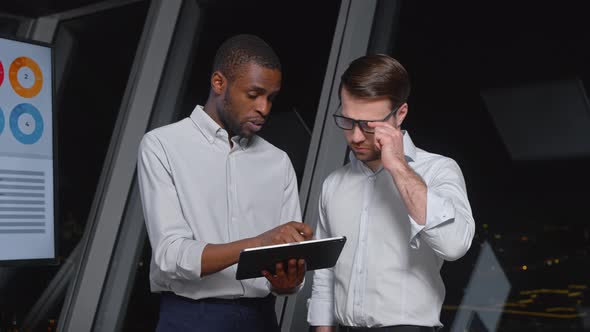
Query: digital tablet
{"points": [[318, 254]]}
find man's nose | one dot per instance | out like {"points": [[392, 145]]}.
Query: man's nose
{"points": [[263, 106], [357, 134]]}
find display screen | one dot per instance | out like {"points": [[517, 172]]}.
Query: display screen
{"points": [[27, 199]]}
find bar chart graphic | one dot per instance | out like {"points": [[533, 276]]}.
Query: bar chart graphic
{"points": [[22, 202]]}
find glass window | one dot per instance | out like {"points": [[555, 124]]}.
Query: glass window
{"points": [[303, 48], [8, 26], [94, 54], [503, 90]]}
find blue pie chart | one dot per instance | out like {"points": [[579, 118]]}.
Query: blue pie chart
{"points": [[26, 123], [1, 121]]}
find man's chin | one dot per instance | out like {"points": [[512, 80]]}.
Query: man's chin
{"points": [[365, 156], [245, 133]]}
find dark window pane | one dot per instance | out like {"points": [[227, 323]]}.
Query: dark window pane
{"points": [[503, 90], [8, 26], [94, 54]]}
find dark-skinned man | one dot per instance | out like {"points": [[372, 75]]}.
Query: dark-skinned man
{"points": [[210, 188]]}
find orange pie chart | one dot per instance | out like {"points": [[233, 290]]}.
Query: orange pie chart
{"points": [[25, 84]]}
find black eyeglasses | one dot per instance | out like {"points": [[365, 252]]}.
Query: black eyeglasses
{"points": [[348, 124]]}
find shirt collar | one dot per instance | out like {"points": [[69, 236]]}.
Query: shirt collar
{"points": [[409, 153], [211, 130], [409, 147]]}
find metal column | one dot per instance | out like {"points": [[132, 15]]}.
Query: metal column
{"points": [[328, 148]]}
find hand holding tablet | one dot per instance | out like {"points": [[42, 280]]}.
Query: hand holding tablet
{"points": [[316, 254], [287, 276]]}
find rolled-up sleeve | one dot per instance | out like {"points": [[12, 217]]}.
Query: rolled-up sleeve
{"points": [[320, 307], [176, 253], [449, 226]]}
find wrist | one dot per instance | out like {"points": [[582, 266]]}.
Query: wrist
{"points": [[400, 165], [254, 242], [284, 292]]}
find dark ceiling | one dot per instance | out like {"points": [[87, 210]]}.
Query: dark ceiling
{"points": [[36, 8]]}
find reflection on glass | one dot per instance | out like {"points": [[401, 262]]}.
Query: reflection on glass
{"points": [[484, 296], [526, 171]]}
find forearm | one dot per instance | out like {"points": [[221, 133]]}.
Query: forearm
{"points": [[412, 189], [217, 257]]}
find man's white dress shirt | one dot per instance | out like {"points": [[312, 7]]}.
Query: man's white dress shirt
{"points": [[197, 190], [389, 270]]}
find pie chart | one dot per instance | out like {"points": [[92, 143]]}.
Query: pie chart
{"points": [[25, 77], [1, 74], [26, 123], [1, 121]]}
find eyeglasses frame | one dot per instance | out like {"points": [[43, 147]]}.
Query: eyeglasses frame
{"points": [[361, 123]]}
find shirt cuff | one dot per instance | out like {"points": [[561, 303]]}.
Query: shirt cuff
{"points": [[438, 210], [320, 312], [189, 260]]}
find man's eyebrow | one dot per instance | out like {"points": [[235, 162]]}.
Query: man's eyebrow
{"points": [[257, 88]]}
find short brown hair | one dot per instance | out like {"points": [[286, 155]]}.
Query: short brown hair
{"points": [[376, 75]]}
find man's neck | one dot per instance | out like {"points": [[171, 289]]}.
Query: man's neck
{"points": [[374, 165], [211, 111]]}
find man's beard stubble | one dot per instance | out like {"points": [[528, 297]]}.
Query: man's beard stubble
{"points": [[376, 155], [233, 127]]}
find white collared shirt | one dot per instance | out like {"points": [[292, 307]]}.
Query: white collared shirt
{"points": [[196, 190], [389, 270]]}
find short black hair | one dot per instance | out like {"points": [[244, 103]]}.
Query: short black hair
{"points": [[242, 49]]}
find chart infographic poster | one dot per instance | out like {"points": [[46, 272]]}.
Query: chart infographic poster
{"points": [[27, 202]]}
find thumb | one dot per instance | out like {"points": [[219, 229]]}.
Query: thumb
{"points": [[303, 229]]}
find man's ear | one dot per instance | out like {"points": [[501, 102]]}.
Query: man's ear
{"points": [[401, 115], [218, 83]]}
